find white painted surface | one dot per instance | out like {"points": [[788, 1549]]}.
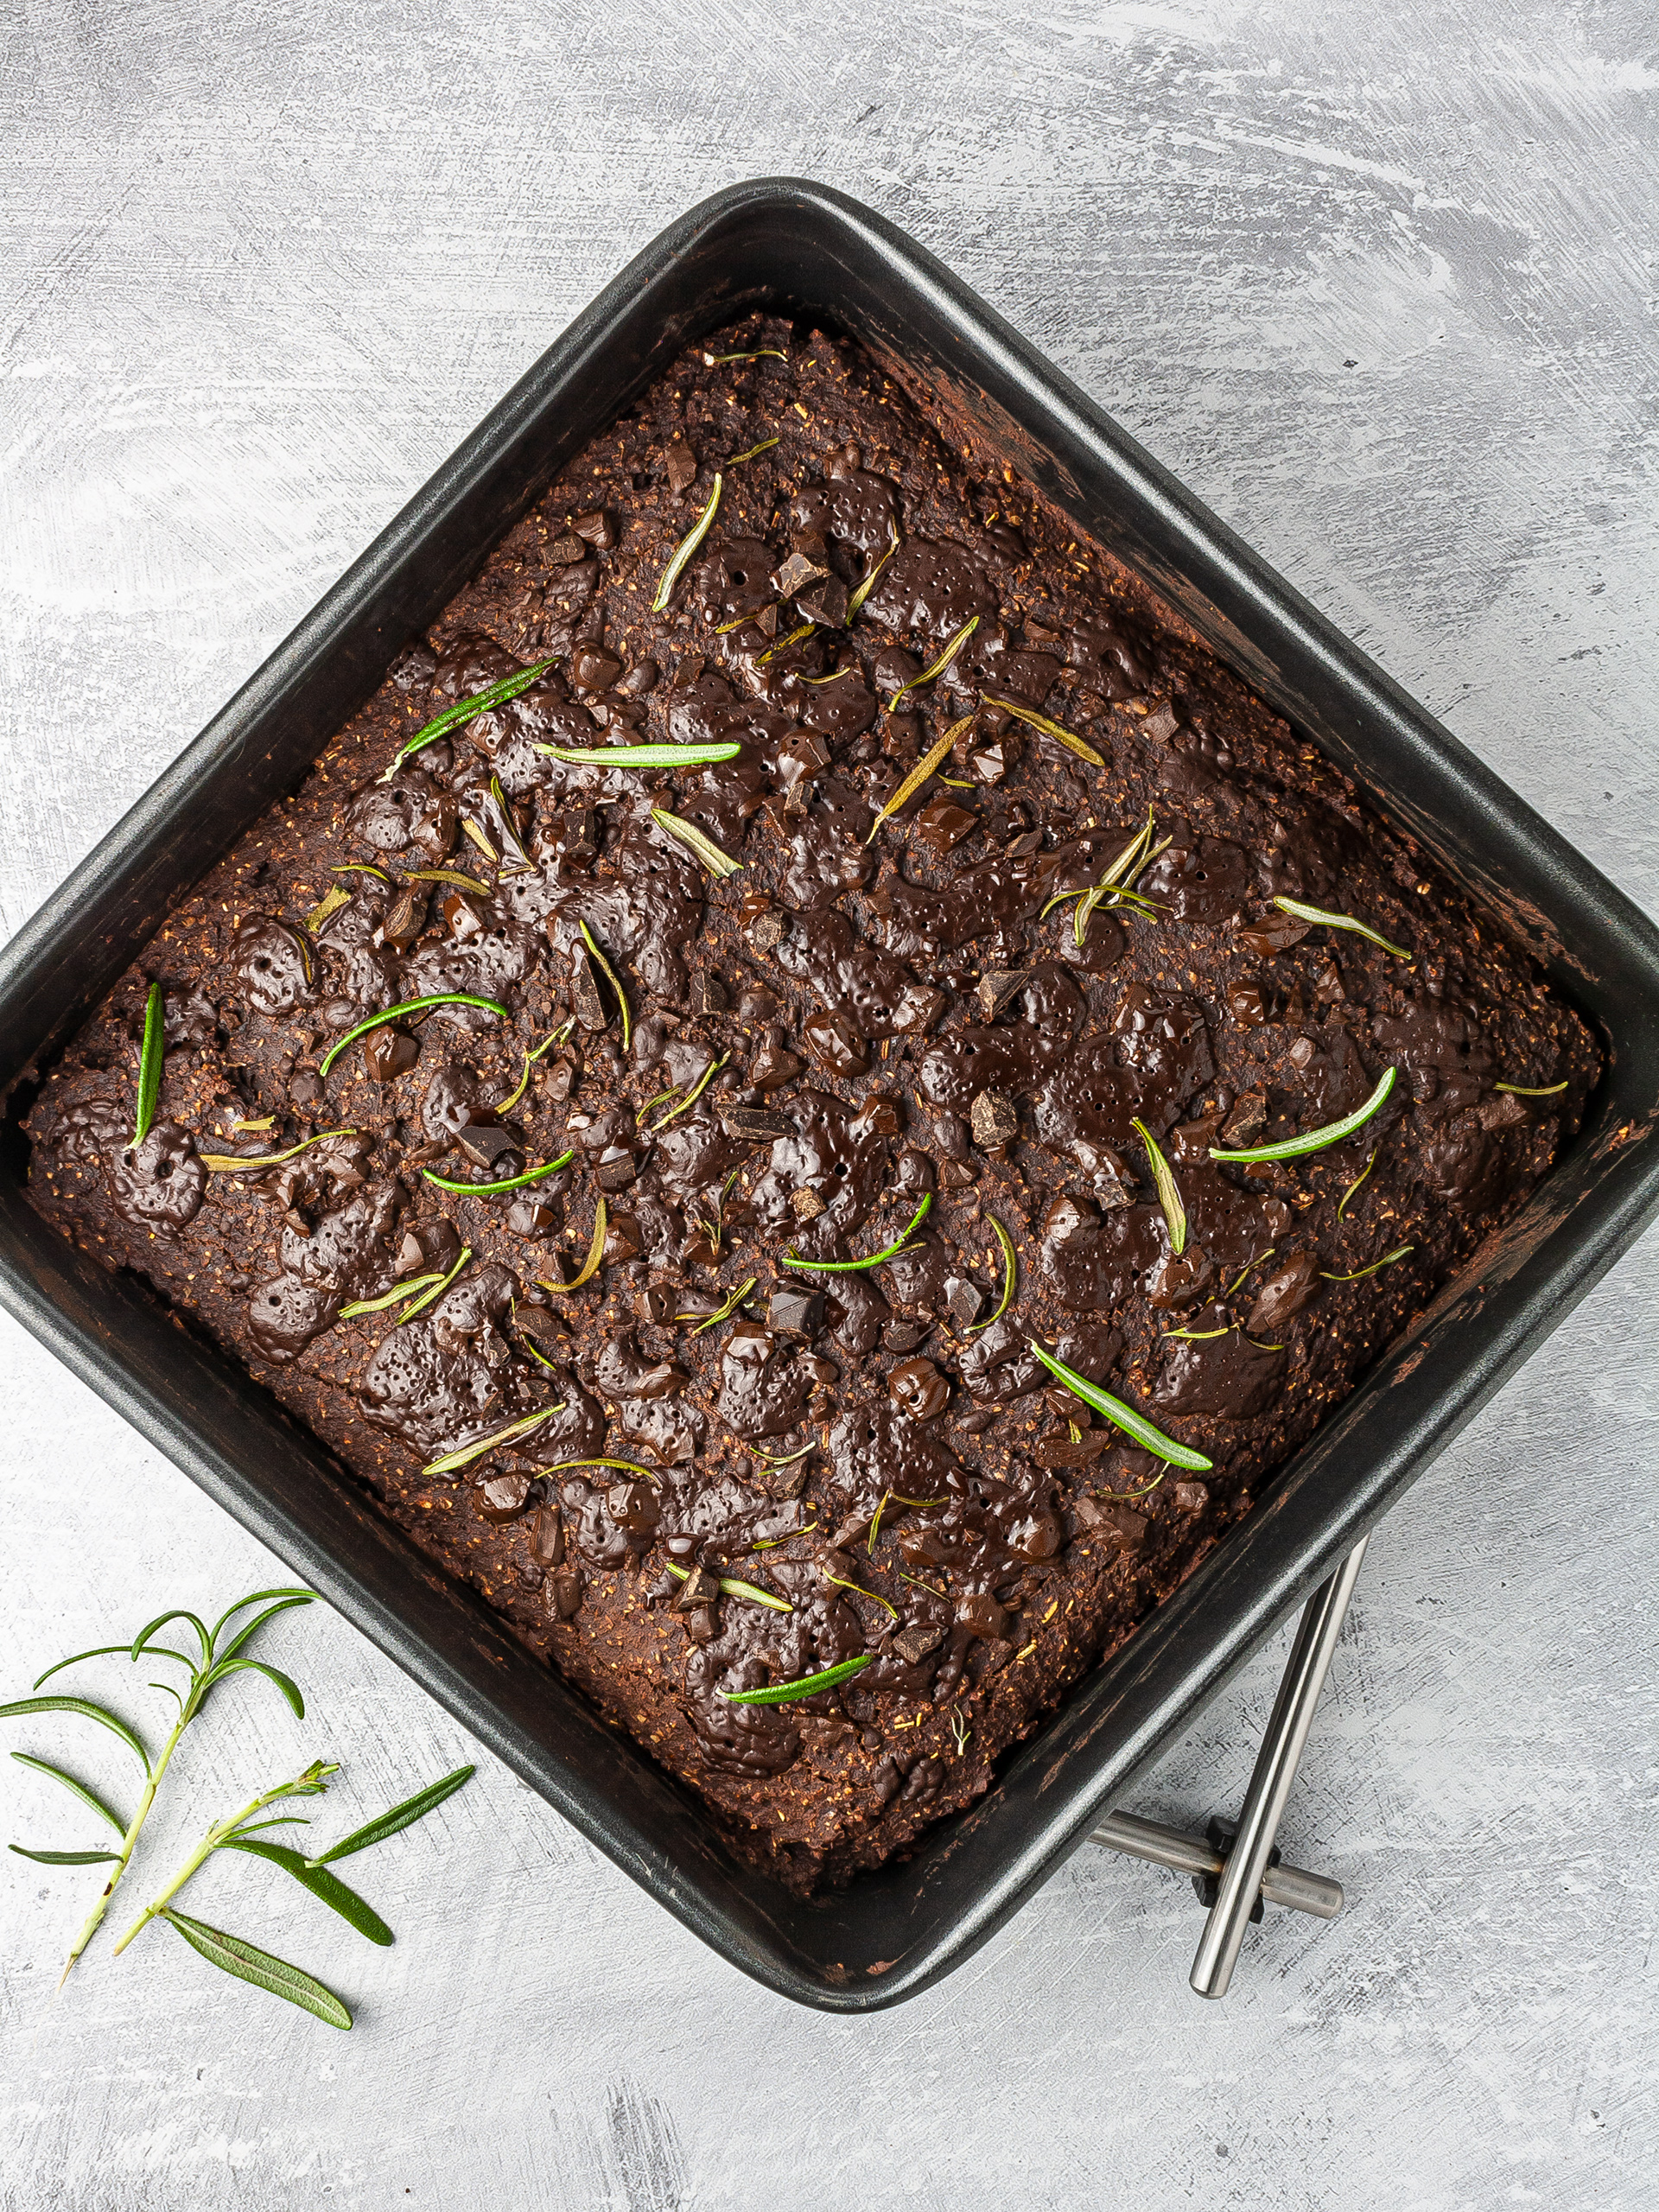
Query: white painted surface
{"points": [[261, 269]]}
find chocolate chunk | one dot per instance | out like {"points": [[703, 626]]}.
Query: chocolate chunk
{"points": [[806, 1204], [501, 1498], [963, 1299], [641, 679], [599, 528], [1244, 1003], [918, 1389], [699, 1588], [768, 930], [487, 1145], [584, 990], [564, 551], [773, 1066], [755, 1124], [913, 1645], [682, 466], [547, 1537], [834, 1043], [1192, 1498], [979, 1613], [533, 1217], [796, 1310], [405, 918], [825, 603], [1246, 1121], [1277, 934], [795, 574], [1103, 1517], [1285, 1292], [903, 1336], [565, 1592], [994, 1120], [941, 824], [595, 671], [711, 995]]}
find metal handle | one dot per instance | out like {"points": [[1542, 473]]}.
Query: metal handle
{"points": [[1195, 1854], [1241, 1878]]}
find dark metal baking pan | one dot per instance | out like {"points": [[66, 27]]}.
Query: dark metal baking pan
{"points": [[802, 247]]}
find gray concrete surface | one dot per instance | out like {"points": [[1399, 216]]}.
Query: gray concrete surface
{"points": [[1380, 282]]}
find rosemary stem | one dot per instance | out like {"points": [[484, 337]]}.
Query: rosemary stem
{"points": [[204, 1850], [90, 1926]]}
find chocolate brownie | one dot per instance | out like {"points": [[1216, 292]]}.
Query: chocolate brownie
{"points": [[921, 1007]]}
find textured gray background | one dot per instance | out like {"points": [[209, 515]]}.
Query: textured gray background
{"points": [[1380, 283]]}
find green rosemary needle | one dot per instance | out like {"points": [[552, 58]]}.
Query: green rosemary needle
{"points": [[724, 1311], [719, 864], [1010, 1275], [427, 1297], [690, 1099], [1360, 1274], [150, 1055], [1352, 1190], [850, 1267], [930, 675], [615, 982], [804, 1686], [409, 1006], [764, 446], [1524, 1090], [646, 756], [508, 1183], [860, 592], [1073, 744], [590, 1265], [1169, 1196], [451, 1462], [759, 353], [410, 1287], [1317, 1139], [332, 901], [683, 552], [466, 710], [1317, 914], [457, 876], [1124, 1417], [236, 1163], [734, 1588], [874, 1596], [918, 775]]}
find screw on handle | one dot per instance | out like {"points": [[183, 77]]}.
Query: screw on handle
{"points": [[1195, 1854], [1241, 1880]]}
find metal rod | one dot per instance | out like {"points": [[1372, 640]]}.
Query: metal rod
{"points": [[1240, 1880], [1195, 1854]]}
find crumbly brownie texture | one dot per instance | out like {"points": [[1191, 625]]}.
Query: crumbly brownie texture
{"points": [[890, 1017]]}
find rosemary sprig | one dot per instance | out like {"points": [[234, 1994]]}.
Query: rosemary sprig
{"points": [[1352, 1190], [615, 982], [1318, 914], [646, 756], [690, 1099], [860, 592], [804, 1686], [1360, 1274], [1169, 1195], [683, 552], [960, 1732], [451, 1462], [462, 880], [918, 775], [150, 1055], [1072, 744], [1115, 887], [234, 1163], [734, 1588], [409, 1287], [409, 1006], [1124, 1417], [761, 353], [834, 677], [466, 710], [1010, 1275], [931, 675], [1524, 1090], [1317, 1139], [764, 446], [218, 1661], [590, 1265], [851, 1267], [719, 864], [724, 1311], [507, 1183], [428, 1297]]}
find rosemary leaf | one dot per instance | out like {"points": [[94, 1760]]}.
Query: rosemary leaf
{"points": [[248, 1963], [409, 1006], [629, 1467], [362, 867], [646, 756], [719, 864], [918, 775], [427, 1297], [24, 1707], [451, 1462], [1010, 1275], [759, 353], [764, 446], [623, 1008], [150, 1055], [476, 832], [1169, 1195], [400, 1817], [851, 1267], [874, 1596], [79, 1788], [1360, 1274], [691, 1095], [834, 677], [860, 592], [523, 864], [930, 675], [1248, 1265], [466, 710], [1124, 1417], [1083, 751], [1340, 922], [1353, 1188], [399, 1291], [461, 881], [683, 552], [232, 1163], [783, 645], [1522, 1091], [734, 1588], [787, 1460], [590, 1265], [325, 1887], [508, 1183], [331, 903], [806, 1685], [66, 1858], [1317, 1139]]}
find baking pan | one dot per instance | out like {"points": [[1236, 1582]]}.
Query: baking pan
{"points": [[801, 247]]}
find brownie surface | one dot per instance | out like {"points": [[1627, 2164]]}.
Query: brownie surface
{"points": [[682, 1461]]}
